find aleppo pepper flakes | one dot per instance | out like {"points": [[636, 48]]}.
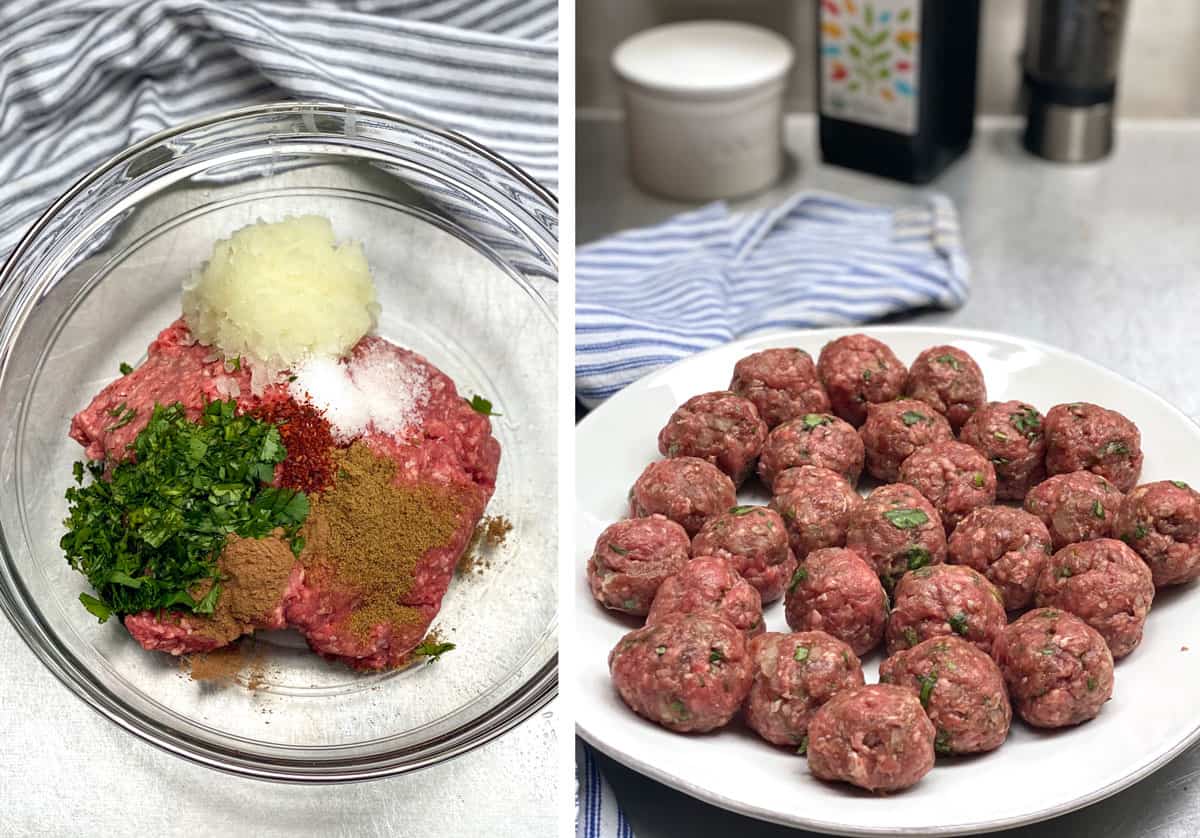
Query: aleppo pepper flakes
{"points": [[373, 534], [308, 438]]}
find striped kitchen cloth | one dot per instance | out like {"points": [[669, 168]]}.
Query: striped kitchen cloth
{"points": [[647, 298], [82, 79], [597, 814]]}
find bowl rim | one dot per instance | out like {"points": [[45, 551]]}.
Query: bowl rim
{"points": [[527, 700]]}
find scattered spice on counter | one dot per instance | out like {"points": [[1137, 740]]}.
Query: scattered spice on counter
{"points": [[371, 534], [490, 533], [308, 438]]}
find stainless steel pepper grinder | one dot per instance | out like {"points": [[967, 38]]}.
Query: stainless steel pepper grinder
{"points": [[1072, 48]]}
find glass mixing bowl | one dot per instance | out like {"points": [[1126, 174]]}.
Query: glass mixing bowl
{"points": [[463, 249]]}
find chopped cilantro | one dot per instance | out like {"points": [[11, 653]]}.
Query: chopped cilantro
{"points": [[715, 655], [620, 551], [1114, 447], [958, 624], [912, 417], [741, 510], [1027, 421], [928, 682], [917, 557], [1098, 510], [679, 709], [1091, 684], [432, 649], [126, 415], [799, 576], [803, 747], [1179, 484], [978, 480], [941, 743], [801, 653], [906, 519], [481, 405], [815, 420], [866, 376], [949, 359], [910, 636], [125, 368], [1140, 532]]}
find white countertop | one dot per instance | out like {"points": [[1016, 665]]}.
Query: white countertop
{"points": [[1100, 259]]}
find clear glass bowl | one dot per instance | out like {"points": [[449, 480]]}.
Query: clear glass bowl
{"points": [[462, 245]]}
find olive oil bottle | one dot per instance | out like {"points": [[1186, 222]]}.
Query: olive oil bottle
{"points": [[896, 84]]}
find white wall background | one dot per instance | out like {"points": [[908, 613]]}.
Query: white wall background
{"points": [[1160, 64]]}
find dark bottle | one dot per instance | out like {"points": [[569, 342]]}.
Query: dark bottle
{"points": [[896, 84]]}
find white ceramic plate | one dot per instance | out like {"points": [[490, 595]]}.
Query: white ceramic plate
{"points": [[1153, 716]]}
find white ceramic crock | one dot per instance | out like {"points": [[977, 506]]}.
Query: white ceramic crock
{"points": [[704, 107]]}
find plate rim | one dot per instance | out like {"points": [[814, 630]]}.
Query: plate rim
{"points": [[833, 828]]}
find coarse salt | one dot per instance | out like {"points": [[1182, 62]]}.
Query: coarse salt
{"points": [[377, 390]]}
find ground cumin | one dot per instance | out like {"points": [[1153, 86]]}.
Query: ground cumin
{"points": [[371, 534], [489, 534]]}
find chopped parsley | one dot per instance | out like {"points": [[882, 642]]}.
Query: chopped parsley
{"points": [[432, 650], [906, 519], [673, 449], [149, 535], [978, 480], [910, 636], [679, 709], [715, 655], [958, 624], [799, 576], [803, 748], [1098, 509], [815, 420], [912, 417], [866, 375], [125, 368], [620, 551], [801, 653], [949, 359], [928, 682], [1179, 484], [941, 742], [1091, 684], [741, 510], [1114, 447], [629, 604], [124, 416], [481, 405], [917, 557], [1027, 421], [660, 650]]}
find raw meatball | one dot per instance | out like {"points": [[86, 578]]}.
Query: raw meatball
{"points": [[1058, 669], [686, 490], [1008, 546], [794, 674], [875, 737], [961, 689], [782, 383], [816, 439], [1082, 436], [816, 505], [857, 370], [1010, 435], [689, 674], [836, 592], [1105, 584], [897, 530], [943, 601], [954, 477], [755, 539], [895, 430], [721, 428], [1161, 521], [708, 585], [949, 380], [1074, 507], [632, 558]]}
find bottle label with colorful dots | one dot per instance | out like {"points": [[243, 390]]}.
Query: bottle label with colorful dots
{"points": [[870, 62]]}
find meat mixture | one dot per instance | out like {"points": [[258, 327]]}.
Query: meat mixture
{"points": [[815, 439], [961, 689], [857, 370], [949, 380], [897, 530], [954, 477], [1161, 521], [1082, 436], [708, 585], [1058, 669], [782, 384], [1008, 546], [687, 490], [755, 540], [1104, 583], [1077, 506], [721, 428], [875, 737], [1010, 435], [632, 558], [815, 505], [446, 456], [894, 430], [794, 674], [945, 601], [689, 674], [836, 592]]}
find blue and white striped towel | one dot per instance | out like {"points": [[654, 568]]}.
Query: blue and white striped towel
{"points": [[82, 79], [646, 298], [597, 814]]}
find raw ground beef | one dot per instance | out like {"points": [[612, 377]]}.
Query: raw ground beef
{"points": [[858, 370], [782, 384], [1161, 521], [1008, 546], [949, 380], [632, 558]]}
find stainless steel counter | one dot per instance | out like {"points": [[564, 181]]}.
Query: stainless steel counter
{"points": [[1101, 259]]}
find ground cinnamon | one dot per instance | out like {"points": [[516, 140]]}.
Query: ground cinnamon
{"points": [[254, 574], [371, 534]]}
